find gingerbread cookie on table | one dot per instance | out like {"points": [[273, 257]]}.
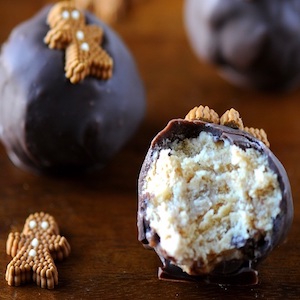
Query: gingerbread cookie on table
{"points": [[34, 251]]}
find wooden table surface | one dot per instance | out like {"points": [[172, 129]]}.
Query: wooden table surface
{"points": [[97, 212]]}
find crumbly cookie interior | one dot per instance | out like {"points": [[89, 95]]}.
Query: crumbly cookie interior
{"points": [[207, 198]]}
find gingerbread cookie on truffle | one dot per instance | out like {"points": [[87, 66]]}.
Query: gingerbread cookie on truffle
{"points": [[214, 201], [70, 92]]}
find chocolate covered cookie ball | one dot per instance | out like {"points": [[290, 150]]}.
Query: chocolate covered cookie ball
{"points": [[70, 92], [254, 43], [214, 201]]}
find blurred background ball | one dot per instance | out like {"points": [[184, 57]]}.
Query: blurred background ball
{"points": [[254, 43]]}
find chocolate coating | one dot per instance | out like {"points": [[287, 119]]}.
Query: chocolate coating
{"points": [[254, 43], [51, 125], [234, 271]]}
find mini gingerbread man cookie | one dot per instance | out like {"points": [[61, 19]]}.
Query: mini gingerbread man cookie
{"points": [[84, 55], [34, 251]]}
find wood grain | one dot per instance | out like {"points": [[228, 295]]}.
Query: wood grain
{"points": [[97, 212]]}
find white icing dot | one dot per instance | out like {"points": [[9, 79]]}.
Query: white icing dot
{"points": [[80, 35], [75, 14], [32, 224], [35, 242], [85, 47], [65, 14], [45, 225], [32, 252]]}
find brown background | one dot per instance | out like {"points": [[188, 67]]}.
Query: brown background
{"points": [[97, 213]]}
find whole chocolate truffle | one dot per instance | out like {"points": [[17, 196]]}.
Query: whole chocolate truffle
{"points": [[254, 43], [54, 120], [213, 201]]}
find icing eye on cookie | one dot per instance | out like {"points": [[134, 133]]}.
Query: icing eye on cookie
{"points": [[75, 14], [32, 224], [65, 15], [45, 225]]}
